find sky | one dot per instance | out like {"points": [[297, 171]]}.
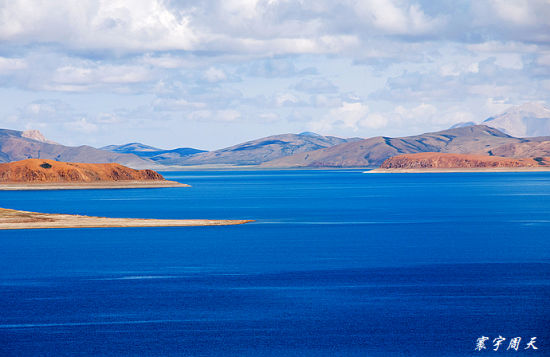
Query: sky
{"points": [[212, 73]]}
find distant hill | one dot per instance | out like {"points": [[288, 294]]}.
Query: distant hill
{"points": [[527, 120], [18, 145], [131, 148], [478, 139], [159, 156], [265, 149], [51, 171]]}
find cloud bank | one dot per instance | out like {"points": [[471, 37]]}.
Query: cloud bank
{"points": [[211, 73]]}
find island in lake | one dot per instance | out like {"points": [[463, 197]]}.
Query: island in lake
{"points": [[37, 174], [445, 162]]}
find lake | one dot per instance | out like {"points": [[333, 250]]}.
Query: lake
{"points": [[338, 263]]}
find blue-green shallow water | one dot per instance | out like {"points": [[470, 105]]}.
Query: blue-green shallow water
{"points": [[339, 263]]}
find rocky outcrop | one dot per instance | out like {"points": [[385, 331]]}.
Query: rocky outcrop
{"points": [[436, 160], [50, 171], [36, 135]]}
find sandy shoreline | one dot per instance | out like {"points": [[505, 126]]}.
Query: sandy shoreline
{"points": [[440, 170], [14, 219], [17, 186]]}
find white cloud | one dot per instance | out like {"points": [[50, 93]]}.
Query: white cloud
{"points": [[359, 118], [347, 116], [215, 75], [286, 99], [350, 114], [8, 65], [96, 75], [503, 47], [519, 12], [82, 125], [269, 117], [544, 59], [178, 104], [421, 111], [521, 20], [45, 110], [116, 25], [245, 26], [388, 16], [227, 115]]}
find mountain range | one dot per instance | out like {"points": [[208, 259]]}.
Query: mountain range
{"points": [[476, 139], [494, 138], [265, 149], [20, 145]]}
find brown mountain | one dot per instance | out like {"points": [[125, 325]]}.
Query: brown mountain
{"points": [[477, 139], [18, 145], [533, 147], [261, 150], [51, 171], [437, 160]]}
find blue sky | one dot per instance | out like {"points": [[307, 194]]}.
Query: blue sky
{"points": [[209, 74]]}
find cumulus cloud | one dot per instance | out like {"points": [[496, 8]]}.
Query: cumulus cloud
{"points": [[388, 17], [82, 125], [261, 28], [348, 116], [116, 25]]}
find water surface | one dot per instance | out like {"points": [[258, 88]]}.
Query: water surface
{"points": [[338, 263]]}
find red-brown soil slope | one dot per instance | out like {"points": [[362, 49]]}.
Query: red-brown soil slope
{"points": [[437, 160], [50, 171]]}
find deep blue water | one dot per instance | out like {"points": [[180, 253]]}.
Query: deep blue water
{"points": [[338, 263]]}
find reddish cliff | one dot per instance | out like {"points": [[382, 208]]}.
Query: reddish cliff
{"points": [[46, 171], [436, 160]]}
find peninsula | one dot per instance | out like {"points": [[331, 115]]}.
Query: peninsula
{"points": [[13, 219], [445, 162], [38, 174]]}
